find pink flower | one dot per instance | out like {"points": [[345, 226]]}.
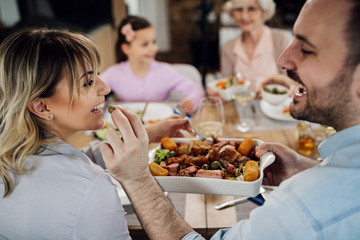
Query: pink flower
{"points": [[128, 32]]}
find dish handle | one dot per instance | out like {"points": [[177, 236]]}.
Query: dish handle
{"points": [[266, 159]]}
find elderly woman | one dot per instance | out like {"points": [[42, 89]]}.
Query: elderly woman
{"points": [[254, 53]]}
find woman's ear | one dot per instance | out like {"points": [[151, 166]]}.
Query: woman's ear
{"points": [[39, 108]]}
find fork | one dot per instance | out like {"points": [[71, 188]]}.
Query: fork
{"points": [[182, 113]]}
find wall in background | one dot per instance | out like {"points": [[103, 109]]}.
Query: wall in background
{"points": [[9, 13]]}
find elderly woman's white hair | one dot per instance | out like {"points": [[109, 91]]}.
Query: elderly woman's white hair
{"points": [[268, 6]]}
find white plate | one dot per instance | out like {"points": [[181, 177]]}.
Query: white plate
{"points": [[214, 186], [154, 110], [276, 111]]}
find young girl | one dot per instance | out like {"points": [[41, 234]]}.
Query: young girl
{"points": [[138, 77], [49, 89]]}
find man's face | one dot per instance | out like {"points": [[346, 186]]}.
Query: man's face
{"points": [[315, 60]]}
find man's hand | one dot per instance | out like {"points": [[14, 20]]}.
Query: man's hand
{"points": [[287, 163], [126, 156]]}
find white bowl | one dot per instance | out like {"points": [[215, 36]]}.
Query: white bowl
{"points": [[228, 93], [272, 97]]}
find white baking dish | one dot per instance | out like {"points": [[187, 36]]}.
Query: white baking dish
{"points": [[213, 186]]}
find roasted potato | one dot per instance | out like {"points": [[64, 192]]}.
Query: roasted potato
{"points": [[168, 144], [251, 171], [246, 146]]}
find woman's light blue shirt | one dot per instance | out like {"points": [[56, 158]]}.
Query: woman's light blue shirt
{"points": [[65, 196]]}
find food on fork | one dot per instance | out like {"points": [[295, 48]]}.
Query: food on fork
{"points": [[111, 108]]}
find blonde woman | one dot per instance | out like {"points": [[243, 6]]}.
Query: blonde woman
{"points": [[49, 89], [255, 51]]}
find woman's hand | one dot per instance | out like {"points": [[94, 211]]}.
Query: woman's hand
{"points": [[168, 127], [287, 163], [126, 156], [188, 105]]}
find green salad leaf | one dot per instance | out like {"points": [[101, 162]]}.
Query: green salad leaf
{"points": [[161, 155]]}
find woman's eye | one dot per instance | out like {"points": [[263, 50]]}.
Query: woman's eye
{"points": [[88, 84], [252, 9]]}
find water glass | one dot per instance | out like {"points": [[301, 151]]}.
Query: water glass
{"points": [[210, 118]]}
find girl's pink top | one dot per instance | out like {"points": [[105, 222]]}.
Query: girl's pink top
{"points": [[157, 85]]}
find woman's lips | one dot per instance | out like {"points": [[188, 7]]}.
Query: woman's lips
{"points": [[98, 108], [245, 24]]}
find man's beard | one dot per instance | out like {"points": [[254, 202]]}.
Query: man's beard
{"points": [[329, 105]]}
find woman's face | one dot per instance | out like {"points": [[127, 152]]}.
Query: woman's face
{"points": [[86, 111], [143, 48], [249, 17]]}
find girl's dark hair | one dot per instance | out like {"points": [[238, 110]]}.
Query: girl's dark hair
{"points": [[137, 23]]}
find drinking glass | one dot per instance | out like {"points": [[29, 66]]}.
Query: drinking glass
{"points": [[244, 93], [210, 117]]}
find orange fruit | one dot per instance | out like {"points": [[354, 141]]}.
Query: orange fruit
{"points": [[157, 170]]}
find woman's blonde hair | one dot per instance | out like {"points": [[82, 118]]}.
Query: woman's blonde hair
{"points": [[267, 6], [32, 62]]}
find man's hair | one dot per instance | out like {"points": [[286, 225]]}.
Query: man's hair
{"points": [[352, 34]]}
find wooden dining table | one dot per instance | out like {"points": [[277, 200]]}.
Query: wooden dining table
{"points": [[198, 209]]}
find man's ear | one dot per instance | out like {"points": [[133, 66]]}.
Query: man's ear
{"points": [[39, 108]]}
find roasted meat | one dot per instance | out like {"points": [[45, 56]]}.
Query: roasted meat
{"points": [[198, 147], [229, 153], [210, 174]]}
